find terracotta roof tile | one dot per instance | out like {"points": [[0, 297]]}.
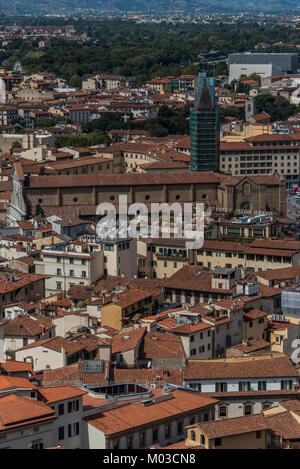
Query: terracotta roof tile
{"points": [[71, 345], [246, 367], [127, 340], [24, 279], [192, 277], [285, 423], [133, 415], [233, 426], [72, 373], [285, 273], [17, 410], [254, 314], [252, 345], [261, 116], [276, 244], [13, 366], [133, 295], [60, 393], [32, 326], [8, 382], [124, 179], [190, 328], [161, 345]]}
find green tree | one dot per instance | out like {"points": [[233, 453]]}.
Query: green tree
{"points": [[39, 212], [232, 111], [75, 81], [278, 107], [45, 122], [15, 144]]}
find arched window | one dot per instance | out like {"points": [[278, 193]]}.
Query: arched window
{"points": [[246, 189], [193, 435]]}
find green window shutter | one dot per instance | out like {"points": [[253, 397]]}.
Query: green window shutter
{"points": [[264, 385], [281, 384], [249, 385], [217, 387], [225, 387], [259, 385], [240, 386]]}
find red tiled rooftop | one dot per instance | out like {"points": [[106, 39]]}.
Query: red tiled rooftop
{"points": [[127, 340], [233, 426], [246, 367], [133, 415], [13, 366], [17, 410], [60, 393], [7, 382]]}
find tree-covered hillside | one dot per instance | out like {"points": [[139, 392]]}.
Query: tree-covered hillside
{"points": [[148, 6]]}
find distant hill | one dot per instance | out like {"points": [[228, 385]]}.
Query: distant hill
{"points": [[149, 6]]}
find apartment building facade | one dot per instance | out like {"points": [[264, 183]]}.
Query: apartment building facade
{"points": [[160, 85], [120, 256], [273, 428], [66, 268], [163, 258], [184, 83], [29, 426], [197, 340], [24, 330], [15, 287], [145, 422], [264, 227], [263, 154], [241, 374], [248, 432], [58, 351], [67, 402], [258, 255], [8, 114], [129, 306]]}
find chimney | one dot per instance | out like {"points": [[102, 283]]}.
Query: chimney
{"points": [[63, 356]]}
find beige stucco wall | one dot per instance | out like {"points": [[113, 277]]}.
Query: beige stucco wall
{"points": [[41, 358]]}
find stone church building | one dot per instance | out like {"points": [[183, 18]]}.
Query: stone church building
{"points": [[80, 194]]}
